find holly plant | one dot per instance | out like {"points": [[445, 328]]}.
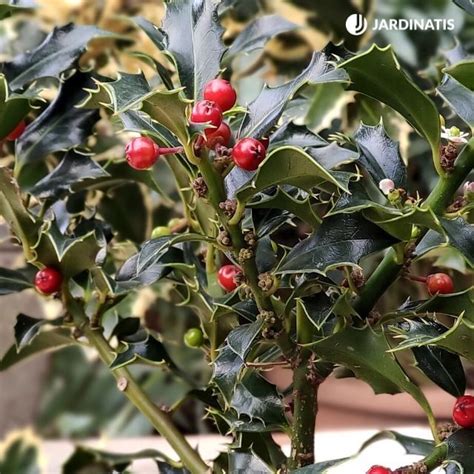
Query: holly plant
{"points": [[286, 248]]}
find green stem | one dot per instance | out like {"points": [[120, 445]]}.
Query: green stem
{"points": [[305, 397], [132, 390], [436, 458], [441, 196], [216, 195]]}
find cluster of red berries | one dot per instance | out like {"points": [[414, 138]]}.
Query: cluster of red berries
{"points": [[220, 96]]}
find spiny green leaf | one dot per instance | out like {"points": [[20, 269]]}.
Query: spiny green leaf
{"points": [[286, 165], [257, 33], [265, 111], [58, 52], [365, 352], [61, 126], [283, 200], [377, 73], [27, 328], [256, 398], [75, 168], [340, 240], [240, 462], [417, 446], [380, 155], [117, 94], [87, 459], [193, 38], [460, 446], [13, 281], [43, 342], [440, 366], [461, 236], [149, 351], [19, 220], [72, 254]]}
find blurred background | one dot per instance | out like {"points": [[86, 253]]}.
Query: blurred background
{"points": [[68, 394]]}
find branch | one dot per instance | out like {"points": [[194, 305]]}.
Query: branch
{"points": [[441, 196], [132, 390]]}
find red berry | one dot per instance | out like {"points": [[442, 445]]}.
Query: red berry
{"points": [[226, 277], [142, 153], [218, 136], [17, 131], [463, 411], [206, 111], [248, 153], [48, 280], [439, 283], [221, 92], [379, 470]]}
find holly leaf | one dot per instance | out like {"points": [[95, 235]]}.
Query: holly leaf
{"points": [[74, 169], [297, 203], [256, 398], [170, 110], [380, 155], [240, 462], [153, 262], [455, 339], [332, 155], [150, 351], [377, 73], [72, 254], [232, 355], [440, 366], [292, 134], [192, 35], [58, 52], [27, 328], [265, 111], [366, 353], [119, 94], [459, 97], [416, 446], [340, 240], [256, 34], [461, 236], [12, 209], [14, 107], [320, 467], [13, 281], [61, 126], [295, 167], [43, 342], [87, 459], [459, 459], [227, 366], [140, 122]]}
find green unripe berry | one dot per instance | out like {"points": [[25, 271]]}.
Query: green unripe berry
{"points": [[175, 222], [194, 338], [160, 231]]}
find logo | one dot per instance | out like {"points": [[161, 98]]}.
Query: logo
{"points": [[356, 24]]}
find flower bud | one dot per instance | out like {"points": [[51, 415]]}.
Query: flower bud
{"points": [[386, 185]]}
